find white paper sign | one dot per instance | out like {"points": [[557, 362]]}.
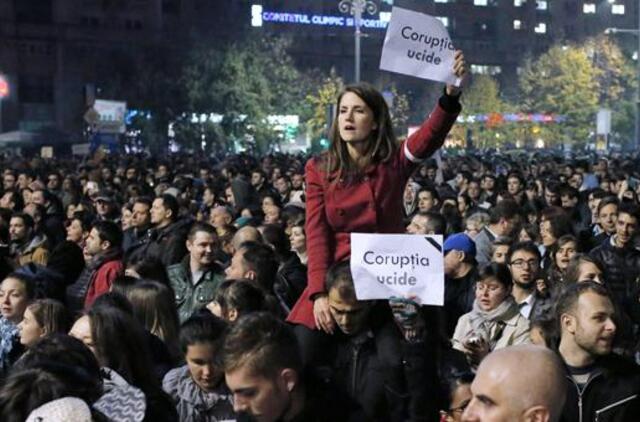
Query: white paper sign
{"points": [[418, 45], [398, 265]]}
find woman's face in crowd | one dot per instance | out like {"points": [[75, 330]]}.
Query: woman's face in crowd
{"points": [[82, 331], [355, 119], [523, 236], [546, 235], [26, 196], [201, 358], [30, 330], [13, 299], [459, 401], [499, 255], [298, 239], [588, 271], [490, 293], [75, 233], [271, 214], [564, 254], [267, 201]]}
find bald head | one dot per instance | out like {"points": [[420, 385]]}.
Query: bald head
{"points": [[245, 234], [518, 383]]}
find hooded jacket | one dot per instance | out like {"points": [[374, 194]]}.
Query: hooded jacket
{"points": [[34, 251]]}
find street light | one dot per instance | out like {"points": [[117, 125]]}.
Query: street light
{"points": [[357, 8], [635, 32]]}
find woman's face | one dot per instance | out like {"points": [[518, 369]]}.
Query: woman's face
{"points": [[30, 330], [82, 331], [547, 237], [71, 209], [355, 119], [75, 232], [26, 196], [564, 255], [490, 293], [523, 236], [13, 299], [267, 201], [298, 239], [459, 401]]}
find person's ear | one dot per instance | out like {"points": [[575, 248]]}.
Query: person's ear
{"points": [[568, 322], [537, 414], [105, 245], [289, 378], [232, 314], [189, 245]]}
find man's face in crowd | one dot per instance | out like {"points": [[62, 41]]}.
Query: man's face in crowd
{"points": [[18, 231], [53, 182], [349, 314], [492, 400], [202, 248], [256, 179], [607, 218], [591, 325], [37, 197], [524, 267], [208, 196], [426, 201], [575, 180], [102, 207], [8, 181], [568, 202], [546, 233], [107, 174], [297, 181], [271, 214], [488, 183], [219, 217], [452, 261], [201, 360], [418, 224], [551, 198], [162, 171], [159, 213], [265, 399], [93, 244], [238, 268], [231, 199], [23, 181], [282, 186], [473, 190], [131, 174], [626, 226], [7, 201], [140, 215], [513, 185]]}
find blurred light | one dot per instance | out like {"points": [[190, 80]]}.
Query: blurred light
{"points": [[385, 16], [480, 2], [256, 15], [444, 20], [541, 5], [518, 3], [588, 8], [617, 9], [4, 87], [517, 24], [541, 28]]}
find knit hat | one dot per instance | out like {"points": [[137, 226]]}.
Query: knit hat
{"points": [[62, 410]]}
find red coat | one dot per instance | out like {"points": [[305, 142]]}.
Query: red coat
{"points": [[373, 205], [102, 279]]}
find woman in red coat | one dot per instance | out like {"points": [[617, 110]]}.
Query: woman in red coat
{"points": [[357, 185]]}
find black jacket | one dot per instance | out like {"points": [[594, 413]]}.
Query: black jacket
{"points": [[391, 379], [610, 395], [621, 267], [169, 244]]}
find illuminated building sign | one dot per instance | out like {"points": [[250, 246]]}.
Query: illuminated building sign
{"points": [[259, 16]]}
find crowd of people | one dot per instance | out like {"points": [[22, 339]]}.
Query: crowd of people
{"points": [[164, 289]]}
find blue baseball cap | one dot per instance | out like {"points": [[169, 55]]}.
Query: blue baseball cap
{"points": [[460, 242]]}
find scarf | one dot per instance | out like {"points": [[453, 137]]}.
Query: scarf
{"points": [[490, 324]]}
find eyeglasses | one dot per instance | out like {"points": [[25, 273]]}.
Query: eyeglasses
{"points": [[521, 263]]}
